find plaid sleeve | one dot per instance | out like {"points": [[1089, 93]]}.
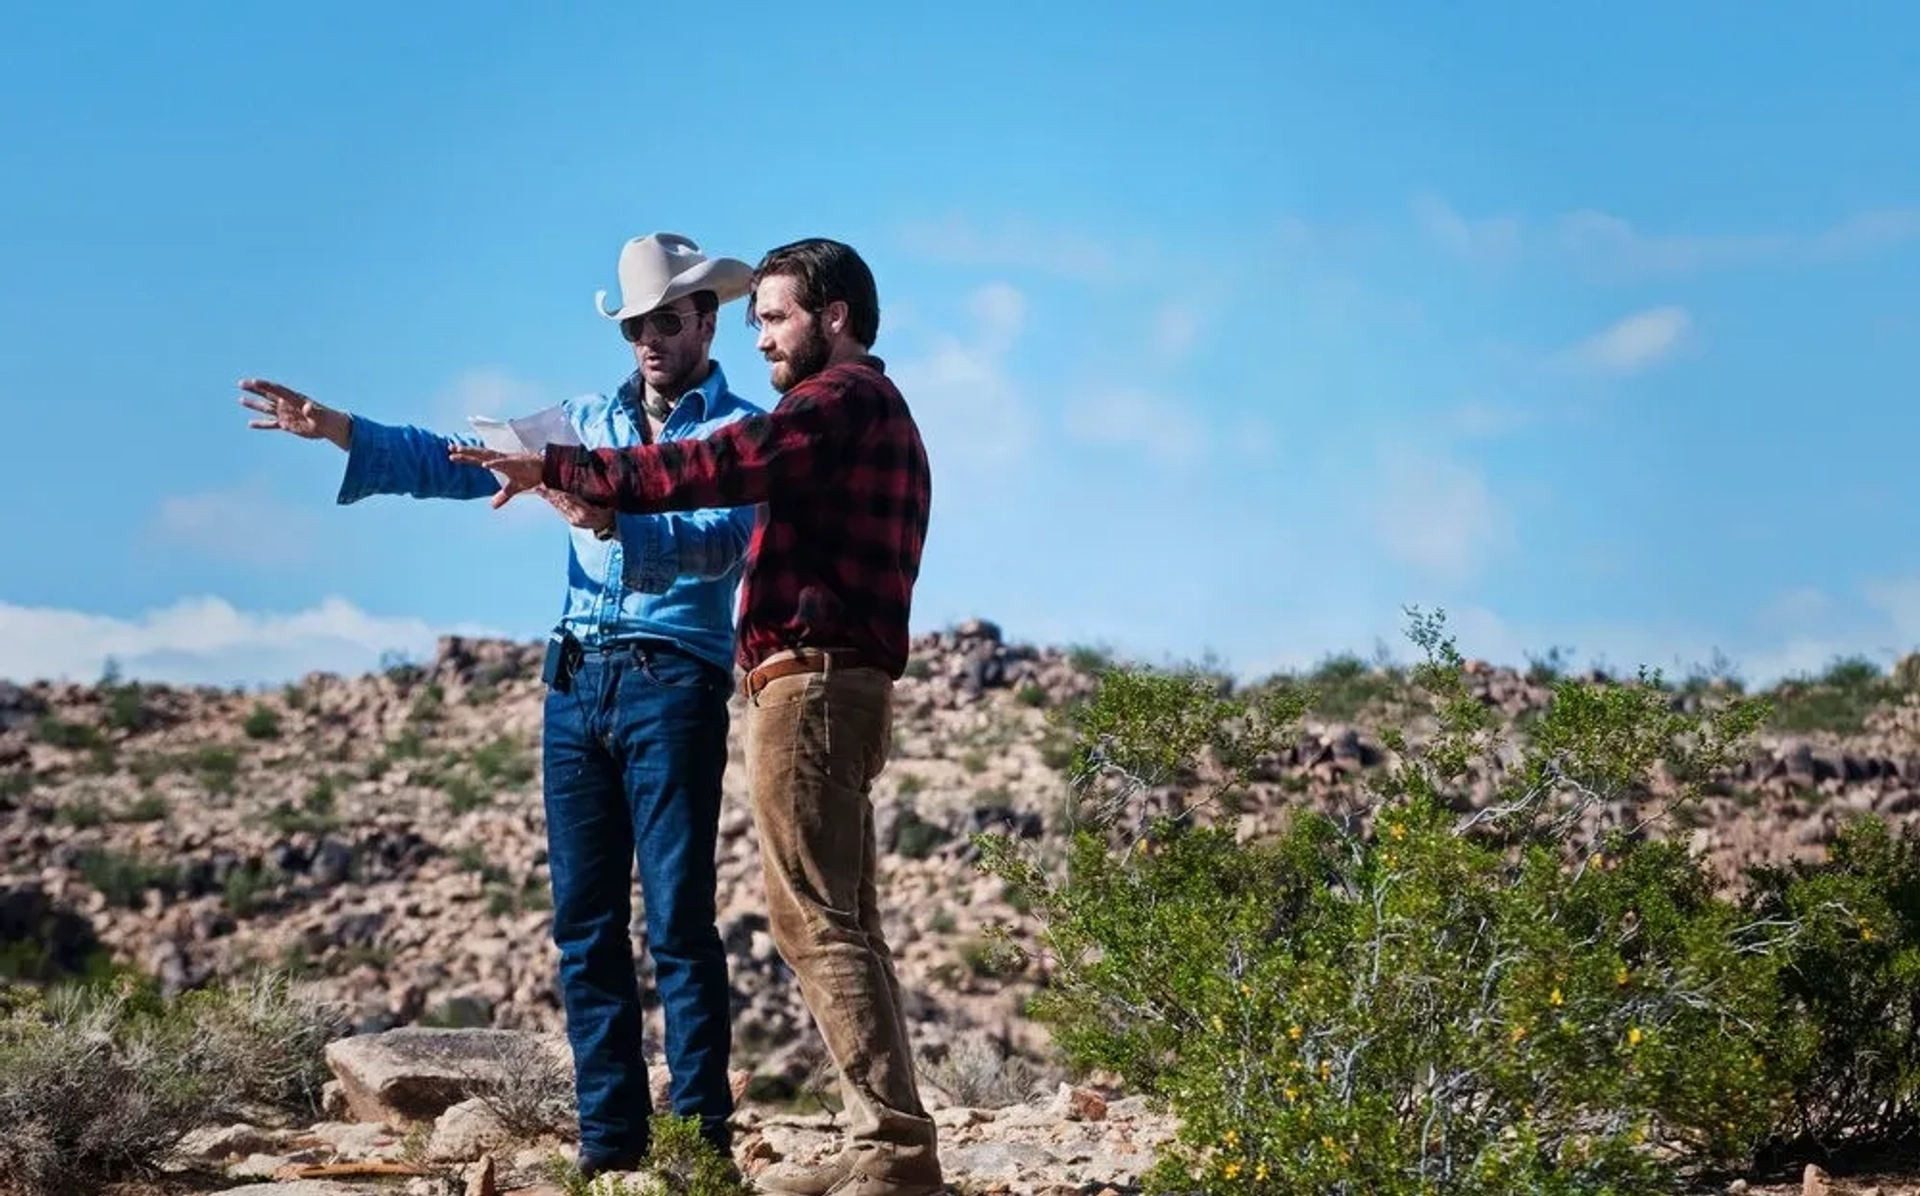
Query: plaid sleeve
{"points": [[752, 460]]}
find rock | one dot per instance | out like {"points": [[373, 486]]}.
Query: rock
{"points": [[357, 1142], [415, 1073], [1079, 1104], [1813, 1182], [480, 1178], [219, 1144], [990, 1161], [465, 1132]]}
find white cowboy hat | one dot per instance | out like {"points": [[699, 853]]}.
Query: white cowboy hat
{"points": [[660, 267]]}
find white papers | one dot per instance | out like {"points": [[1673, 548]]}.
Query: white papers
{"points": [[525, 434]]}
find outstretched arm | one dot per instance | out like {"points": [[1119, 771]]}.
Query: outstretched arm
{"points": [[411, 461], [754, 460], [380, 459]]}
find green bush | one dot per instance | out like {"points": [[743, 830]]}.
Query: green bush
{"points": [[99, 1081], [261, 722], [1851, 986], [1420, 994]]}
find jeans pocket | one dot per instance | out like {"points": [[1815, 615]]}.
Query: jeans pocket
{"points": [[671, 670]]}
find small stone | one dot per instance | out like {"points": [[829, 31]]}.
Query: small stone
{"points": [[466, 1131], [1813, 1182]]}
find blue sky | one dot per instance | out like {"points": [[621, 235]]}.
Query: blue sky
{"points": [[1232, 329]]}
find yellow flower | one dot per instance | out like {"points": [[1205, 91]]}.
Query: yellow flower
{"points": [[1620, 977], [1556, 998], [1599, 859], [1326, 1069], [1519, 1032], [1260, 1172], [1291, 1093], [1293, 1032], [1230, 1170], [1633, 1036], [1397, 831], [1231, 1138]]}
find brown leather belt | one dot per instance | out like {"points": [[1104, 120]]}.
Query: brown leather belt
{"points": [[811, 660]]}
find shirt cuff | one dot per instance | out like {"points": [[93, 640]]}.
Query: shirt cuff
{"points": [[367, 453]]}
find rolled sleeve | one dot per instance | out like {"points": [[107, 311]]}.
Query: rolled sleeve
{"points": [[650, 553]]}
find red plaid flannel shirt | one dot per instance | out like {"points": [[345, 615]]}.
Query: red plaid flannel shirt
{"points": [[841, 468]]}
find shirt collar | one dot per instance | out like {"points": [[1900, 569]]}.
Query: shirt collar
{"points": [[709, 393]]}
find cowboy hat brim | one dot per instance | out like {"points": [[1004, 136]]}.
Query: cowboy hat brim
{"points": [[728, 278]]}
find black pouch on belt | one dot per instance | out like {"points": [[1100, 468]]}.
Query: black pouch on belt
{"points": [[563, 656]]}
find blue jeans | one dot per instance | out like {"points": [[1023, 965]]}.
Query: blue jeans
{"points": [[634, 755]]}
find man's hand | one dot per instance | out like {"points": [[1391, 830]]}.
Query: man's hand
{"points": [[287, 410], [522, 471], [580, 513]]}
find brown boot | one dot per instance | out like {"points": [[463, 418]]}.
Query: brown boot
{"points": [[864, 1183], [891, 1170], [806, 1179]]}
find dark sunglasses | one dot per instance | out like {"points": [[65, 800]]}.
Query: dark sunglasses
{"points": [[666, 322]]}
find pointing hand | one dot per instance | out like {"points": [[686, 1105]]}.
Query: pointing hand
{"points": [[522, 471]]}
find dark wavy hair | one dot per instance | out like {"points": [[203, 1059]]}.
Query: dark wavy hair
{"points": [[826, 271]]}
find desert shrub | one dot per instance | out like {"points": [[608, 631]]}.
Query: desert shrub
{"points": [[976, 1071], [531, 1096], [262, 722], [1837, 700], [681, 1163], [1851, 985], [98, 1082], [1531, 995]]}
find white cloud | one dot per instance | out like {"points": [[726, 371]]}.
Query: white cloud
{"points": [[241, 524], [1635, 343], [1016, 246], [1255, 438], [1001, 311], [1607, 246], [1176, 329], [486, 390], [1169, 432], [1491, 241], [972, 413], [1438, 515], [1481, 420], [206, 641]]}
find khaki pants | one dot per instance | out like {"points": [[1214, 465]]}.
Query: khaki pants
{"points": [[815, 743]]}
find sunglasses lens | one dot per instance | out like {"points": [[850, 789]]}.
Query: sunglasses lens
{"points": [[666, 323]]}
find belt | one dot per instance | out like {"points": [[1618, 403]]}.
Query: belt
{"points": [[807, 660]]}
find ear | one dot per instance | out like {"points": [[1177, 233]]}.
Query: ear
{"points": [[835, 316]]}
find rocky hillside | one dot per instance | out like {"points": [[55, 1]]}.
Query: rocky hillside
{"points": [[382, 834]]}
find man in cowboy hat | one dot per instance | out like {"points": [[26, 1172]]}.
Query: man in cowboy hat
{"points": [[828, 592], [639, 671]]}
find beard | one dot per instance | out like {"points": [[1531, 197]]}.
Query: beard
{"points": [[676, 374], [791, 369]]}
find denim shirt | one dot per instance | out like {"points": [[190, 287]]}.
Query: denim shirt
{"points": [[669, 576]]}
